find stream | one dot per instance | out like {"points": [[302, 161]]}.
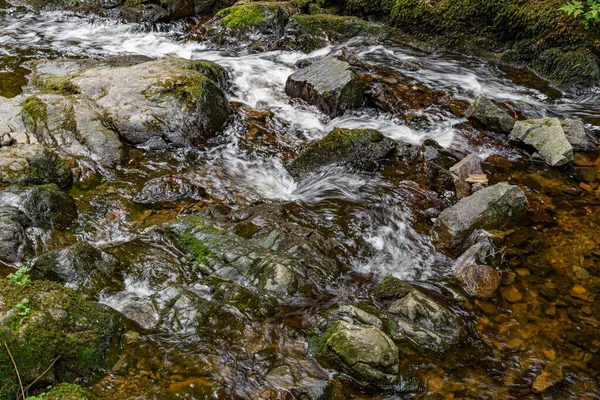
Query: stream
{"points": [[370, 213]]}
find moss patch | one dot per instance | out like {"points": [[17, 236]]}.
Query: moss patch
{"points": [[35, 113], [247, 15], [56, 84]]}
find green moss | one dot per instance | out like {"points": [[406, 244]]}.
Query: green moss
{"points": [[197, 248], [67, 391], [56, 84], [317, 345], [35, 113], [49, 168], [392, 288], [244, 16], [336, 27], [62, 324]]}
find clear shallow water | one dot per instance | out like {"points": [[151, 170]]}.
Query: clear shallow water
{"points": [[381, 217]]}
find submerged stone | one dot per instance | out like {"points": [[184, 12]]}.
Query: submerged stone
{"points": [[329, 84], [361, 150], [44, 324], [476, 277], [547, 136], [489, 208], [550, 376], [490, 116], [576, 134], [168, 189]]}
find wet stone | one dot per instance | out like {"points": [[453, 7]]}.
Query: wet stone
{"points": [[168, 189], [490, 116], [550, 376], [579, 292], [547, 136], [329, 84], [511, 294]]}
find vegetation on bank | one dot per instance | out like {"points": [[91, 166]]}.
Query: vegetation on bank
{"points": [[559, 39]]}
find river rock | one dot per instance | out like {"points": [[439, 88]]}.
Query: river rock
{"points": [[10, 118], [488, 115], [438, 162], [155, 104], [329, 84], [476, 277], [81, 266], [257, 246], [361, 150], [578, 137], [489, 208], [168, 189], [32, 164], [550, 376], [49, 207], [53, 325], [468, 167], [418, 316], [13, 239], [363, 349], [547, 136]]}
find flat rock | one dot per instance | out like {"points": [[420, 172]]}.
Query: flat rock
{"points": [[489, 208], [547, 136], [329, 84]]}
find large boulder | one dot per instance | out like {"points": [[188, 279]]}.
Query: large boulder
{"points": [[489, 208], [363, 350], [32, 164], [52, 334], [417, 315], [359, 149], [151, 104], [329, 84], [488, 115], [546, 135]]}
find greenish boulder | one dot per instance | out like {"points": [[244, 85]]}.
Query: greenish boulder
{"points": [[329, 84], [416, 314], [362, 350], [361, 150], [48, 327], [49, 207]]}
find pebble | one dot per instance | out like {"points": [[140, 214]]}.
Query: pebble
{"points": [[511, 294], [551, 375], [579, 292], [581, 273]]}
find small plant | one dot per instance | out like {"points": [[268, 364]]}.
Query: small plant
{"points": [[41, 396], [588, 12], [23, 309], [20, 277]]}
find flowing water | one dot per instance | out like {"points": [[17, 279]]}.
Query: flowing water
{"points": [[513, 341]]}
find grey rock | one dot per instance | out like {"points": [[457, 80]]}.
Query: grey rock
{"points": [[547, 136], [490, 116], [489, 208], [470, 165], [476, 277], [167, 189], [361, 150], [355, 316], [329, 84], [578, 137]]}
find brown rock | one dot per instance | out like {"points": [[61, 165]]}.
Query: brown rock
{"points": [[511, 294], [579, 292], [550, 376]]}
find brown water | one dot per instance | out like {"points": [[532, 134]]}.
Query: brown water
{"points": [[547, 309]]}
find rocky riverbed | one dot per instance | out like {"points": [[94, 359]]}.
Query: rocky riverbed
{"points": [[272, 201]]}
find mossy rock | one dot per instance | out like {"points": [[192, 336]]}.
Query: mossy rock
{"points": [[67, 391], [33, 164], [49, 207], [251, 15], [54, 325], [360, 149]]}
